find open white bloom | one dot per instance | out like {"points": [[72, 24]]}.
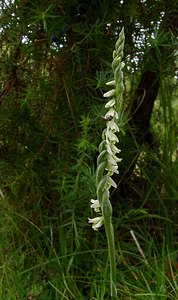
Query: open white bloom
{"points": [[96, 222], [95, 205]]}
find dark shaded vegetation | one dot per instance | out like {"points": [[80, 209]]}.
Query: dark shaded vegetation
{"points": [[55, 60]]}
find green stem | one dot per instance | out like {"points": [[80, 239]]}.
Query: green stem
{"points": [[107, 216], [112, 255]]}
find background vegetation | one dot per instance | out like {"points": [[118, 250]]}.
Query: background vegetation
{"points": [[55, 59]]}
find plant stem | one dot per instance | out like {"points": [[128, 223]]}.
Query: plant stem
{"points": [[112, 255]]}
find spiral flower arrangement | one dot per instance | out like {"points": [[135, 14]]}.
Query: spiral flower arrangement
{"points": [[107, 159], [107, 162]]}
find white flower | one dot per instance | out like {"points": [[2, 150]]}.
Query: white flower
{"points": [[110, 103], [113, 126], [113, 159], [110, 93], [96, 222], [111, 136], [111, 113], [109, 149], [112, 82], [112, 169], [114, 149], [110, 182], [95, 205]]}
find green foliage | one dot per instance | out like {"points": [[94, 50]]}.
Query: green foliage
{"points": [[50, 127]]}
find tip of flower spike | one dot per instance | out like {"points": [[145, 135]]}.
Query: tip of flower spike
{"points": [[121, 39]]}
